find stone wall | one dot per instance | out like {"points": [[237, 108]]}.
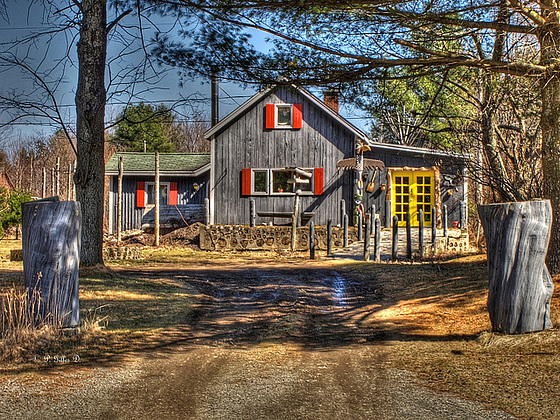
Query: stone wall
{"points": [[238, 237]]}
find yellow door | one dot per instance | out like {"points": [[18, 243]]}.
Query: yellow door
{"points": [[412, 191]]}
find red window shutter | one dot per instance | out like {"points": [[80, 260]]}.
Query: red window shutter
{"points": [[173, 194], [140, 194], [297, 117], [318, 181], [246, 181], [270, 116]]}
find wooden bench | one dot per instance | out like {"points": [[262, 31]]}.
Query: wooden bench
{"points": [[306, 216]]}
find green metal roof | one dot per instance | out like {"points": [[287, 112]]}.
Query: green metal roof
{"points": [[168, 162]]}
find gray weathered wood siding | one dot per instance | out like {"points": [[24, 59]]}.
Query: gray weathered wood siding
{"points": [[447, 166], [189, 202], [245, 143]]}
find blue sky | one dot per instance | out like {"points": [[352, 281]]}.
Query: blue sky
{"points": [[57, 57]]}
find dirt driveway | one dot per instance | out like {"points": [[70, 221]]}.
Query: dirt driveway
{"points": [[276, 341]]}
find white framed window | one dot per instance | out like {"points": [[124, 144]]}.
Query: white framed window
{"points": [[163, 193], [286, 181], [284, 116], [282, 181], [260, 184]]}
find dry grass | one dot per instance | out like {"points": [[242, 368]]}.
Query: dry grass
{"points": [[23, 331]]}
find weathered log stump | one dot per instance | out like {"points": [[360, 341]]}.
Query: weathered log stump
{"points": [[51, 232], [520, 286]]}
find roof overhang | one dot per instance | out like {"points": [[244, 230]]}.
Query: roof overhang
{"points": [[194, 173], [418, 151]]}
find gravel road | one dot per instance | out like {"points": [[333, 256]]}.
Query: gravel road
{"points": [[265, 344]]}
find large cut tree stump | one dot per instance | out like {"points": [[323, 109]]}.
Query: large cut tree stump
{"points": [[51, 232], [520, 287]]}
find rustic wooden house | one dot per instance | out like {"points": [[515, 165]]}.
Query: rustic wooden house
{"points": [[184, 182], [257, 151]]}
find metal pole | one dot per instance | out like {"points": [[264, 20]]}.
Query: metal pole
{"points": [[342, 211], [215, 98]]}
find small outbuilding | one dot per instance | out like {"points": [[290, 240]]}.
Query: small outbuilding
{"points": [[184, 183]]}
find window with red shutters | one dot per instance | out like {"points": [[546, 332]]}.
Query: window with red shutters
{"points": [[246, 181], [140, 194], [282, 116], [173, 194], [318, 181]]}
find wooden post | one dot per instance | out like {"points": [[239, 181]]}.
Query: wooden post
{"points": [[445, 233], [367, 238], [207, 211], [57, 176], [520, 286], [53, 182], [69, 184], [445, 230], [395, 253], [73, 183], [463, 217], [44, 191], [360, 226], [377, 242], [342, 211], [372, 224], [329, 237], [252, 213], [345, 237], [32, 173], [387, 213], [434, 230], [311, 240], [51, 232], [408, 237], [119, 200], [156, 199], [421, 233], [295, 216]]}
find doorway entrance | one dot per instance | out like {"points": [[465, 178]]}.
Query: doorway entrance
{"points": [[412, 191]]}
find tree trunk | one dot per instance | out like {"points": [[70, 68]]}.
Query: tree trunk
{"points": [[51, 258], [520, 286], [90, 110]]}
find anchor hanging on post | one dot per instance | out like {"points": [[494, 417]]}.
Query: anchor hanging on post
{"points": [[358, 163]]}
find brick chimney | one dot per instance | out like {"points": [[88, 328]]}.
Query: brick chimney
{"points": [[330, 97]]}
